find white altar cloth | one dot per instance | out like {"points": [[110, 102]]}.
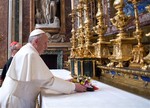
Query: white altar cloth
{"points": [[106, 97]]}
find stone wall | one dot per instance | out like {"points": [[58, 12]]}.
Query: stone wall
{"points": [[26, 20], [3, 31]]}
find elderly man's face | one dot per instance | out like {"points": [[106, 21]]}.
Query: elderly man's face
{"points": [[42, 43]]}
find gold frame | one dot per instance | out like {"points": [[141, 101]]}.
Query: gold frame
{"points": [[61, 30]]}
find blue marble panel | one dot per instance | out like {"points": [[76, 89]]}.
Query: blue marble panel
{"points": [[129, 9], [145, 78]]}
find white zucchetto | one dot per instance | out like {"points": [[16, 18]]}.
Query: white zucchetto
{"points": [[36, 32]]}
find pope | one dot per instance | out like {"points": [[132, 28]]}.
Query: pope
{"points": [[28, 75]]}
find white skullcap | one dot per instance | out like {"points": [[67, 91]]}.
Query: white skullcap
{"points": [[36, 32]]}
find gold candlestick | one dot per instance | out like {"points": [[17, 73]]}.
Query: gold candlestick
{"points": [[147, 57], [122, 45], [101, 47], [148, 9], [138, 50], [88, 34], [101, 28], [80, 31], [73, 39], [120, 20], [138, 33]]}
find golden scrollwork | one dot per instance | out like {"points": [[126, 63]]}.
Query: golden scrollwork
{"points": [[126, 51], [137, 53], [73, 39], [138, 50], [80, 31], [148, 9], [122, 45], [120, 20], [101, 47], [147, 57], [89, 49]]}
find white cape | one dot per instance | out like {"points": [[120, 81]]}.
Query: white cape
{"points": [[27, 76]]}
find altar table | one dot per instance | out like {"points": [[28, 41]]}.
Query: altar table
{"points": [[106, 97]]}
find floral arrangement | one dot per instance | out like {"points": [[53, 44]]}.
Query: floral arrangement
{"points": [[84, 80]]}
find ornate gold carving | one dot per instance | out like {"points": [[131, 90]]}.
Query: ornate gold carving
{"points": [[121, 45], [126, 71], [80, 31], [147, 58], [101, 47], [123, 50], [137, 53], [148, 8], [73, 39], [138, 50], [147, 62], [89, 49], [120, 20]]}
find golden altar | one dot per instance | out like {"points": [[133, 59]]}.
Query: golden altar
{"points": [[122, 59]]}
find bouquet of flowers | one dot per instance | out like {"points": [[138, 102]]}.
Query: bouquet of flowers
{"points": [[84, 80]]}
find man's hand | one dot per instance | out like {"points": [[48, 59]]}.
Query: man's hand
{"points": [[80, 88]]}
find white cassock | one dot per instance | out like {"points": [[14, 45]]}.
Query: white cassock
{"points": [[27, 76]]}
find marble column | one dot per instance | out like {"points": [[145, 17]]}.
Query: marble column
{"points": [[15, 27], [20, 20], [11, 24]]}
